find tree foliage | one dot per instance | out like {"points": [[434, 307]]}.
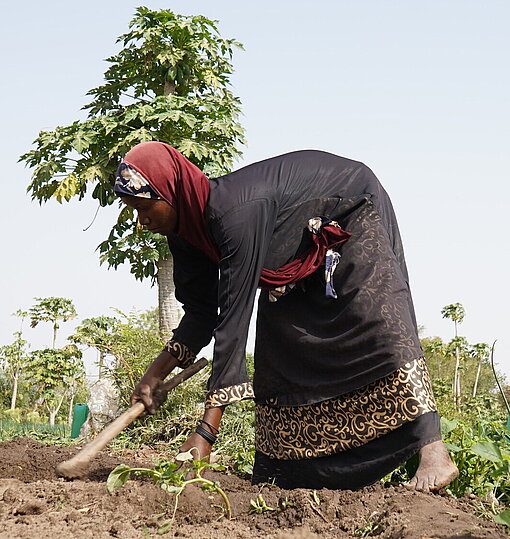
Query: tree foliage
{"points": [[169, 82], [134, 345], [99, 333], [51, 310]]}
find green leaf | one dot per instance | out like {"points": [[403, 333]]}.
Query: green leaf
{"points": [[173, 489], [67, 188], [487, 450], [452, 447], [118, 476], [216, 466], [82, 141], [503, 517], [184, 456], [448, 425], [165, 527]]}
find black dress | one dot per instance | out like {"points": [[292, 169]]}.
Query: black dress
{"points": [[340, 386]]}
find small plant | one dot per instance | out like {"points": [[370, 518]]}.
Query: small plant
{"points": [[315, 497], [371, 527], [171, 476], [259, 506], [283, 504]]}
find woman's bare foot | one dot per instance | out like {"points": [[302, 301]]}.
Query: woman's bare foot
{"points": [[436, 469]]}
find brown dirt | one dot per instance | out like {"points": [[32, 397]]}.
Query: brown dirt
{"points": [[35, 503]]}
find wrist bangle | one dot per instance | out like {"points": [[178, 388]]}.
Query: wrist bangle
{"points": [[205, 434], [210, 426]]}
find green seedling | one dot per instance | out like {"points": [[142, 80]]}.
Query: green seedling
{"points": [[371, 527], [315, 497], [171, 476], [259, 506], [283, 504]]}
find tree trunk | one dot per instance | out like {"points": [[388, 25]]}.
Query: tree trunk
{"points": [[54, 336], [14, 392], [168, 307], [54, 411], [70, 412], [475, 387], [456, 380], [101, 364], [457, 393]]}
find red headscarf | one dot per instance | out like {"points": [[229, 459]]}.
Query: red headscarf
{"points": [[180, 183]]}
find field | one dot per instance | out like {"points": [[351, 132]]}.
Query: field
{"points": [[35, 503]]}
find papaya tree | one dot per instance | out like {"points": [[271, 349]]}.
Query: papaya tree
{"points": [[455, 312], [51, 310], [13, 358], [56, 375], [169, 82]]}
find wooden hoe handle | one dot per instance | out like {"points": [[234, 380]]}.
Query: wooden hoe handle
{"points": [[77, 466]]}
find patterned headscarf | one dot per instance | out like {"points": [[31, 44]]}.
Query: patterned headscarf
{"points": [[162, 171], [129, 182]]}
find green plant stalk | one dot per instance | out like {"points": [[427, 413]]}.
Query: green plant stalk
{"points": [[214, 488], [497, 380]]}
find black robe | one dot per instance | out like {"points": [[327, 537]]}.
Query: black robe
{"points": [[308, 347]]}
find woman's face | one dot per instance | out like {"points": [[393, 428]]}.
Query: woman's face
{"points": [[156, 215]]}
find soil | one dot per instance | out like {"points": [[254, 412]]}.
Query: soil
{"points": [[35, 503]]}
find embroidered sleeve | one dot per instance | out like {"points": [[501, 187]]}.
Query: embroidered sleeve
{"points": [[181, 352], [229, 395]]}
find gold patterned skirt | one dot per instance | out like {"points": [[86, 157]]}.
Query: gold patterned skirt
{"points": [[350, 441], [351, 420]]}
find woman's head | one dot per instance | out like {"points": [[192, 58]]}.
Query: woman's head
{"points": [[135, 191]]}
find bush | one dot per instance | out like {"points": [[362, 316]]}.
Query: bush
{"points": [[12, 415]]}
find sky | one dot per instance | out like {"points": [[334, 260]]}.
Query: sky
{"points": [[418, 91]]}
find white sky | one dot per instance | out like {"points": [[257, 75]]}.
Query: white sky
{"points": [[416, 90]]}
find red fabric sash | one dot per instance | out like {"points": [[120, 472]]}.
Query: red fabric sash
{"points": [[329, 236]]}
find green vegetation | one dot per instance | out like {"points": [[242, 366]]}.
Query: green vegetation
{"points": [[173, 476], [42, 384], [47, 381], [260, 506]]}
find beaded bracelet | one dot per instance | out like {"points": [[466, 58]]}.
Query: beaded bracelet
{"points": [[209, 436]]}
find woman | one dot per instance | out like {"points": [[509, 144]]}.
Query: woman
{"points": [[341, 389]]}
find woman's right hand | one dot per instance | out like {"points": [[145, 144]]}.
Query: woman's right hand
{"points": [[148, 391]]}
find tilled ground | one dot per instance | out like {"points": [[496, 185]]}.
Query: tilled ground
{"points": [[35, 503]]}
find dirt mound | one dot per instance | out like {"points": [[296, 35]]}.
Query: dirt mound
{"points": [[35, 503]]}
